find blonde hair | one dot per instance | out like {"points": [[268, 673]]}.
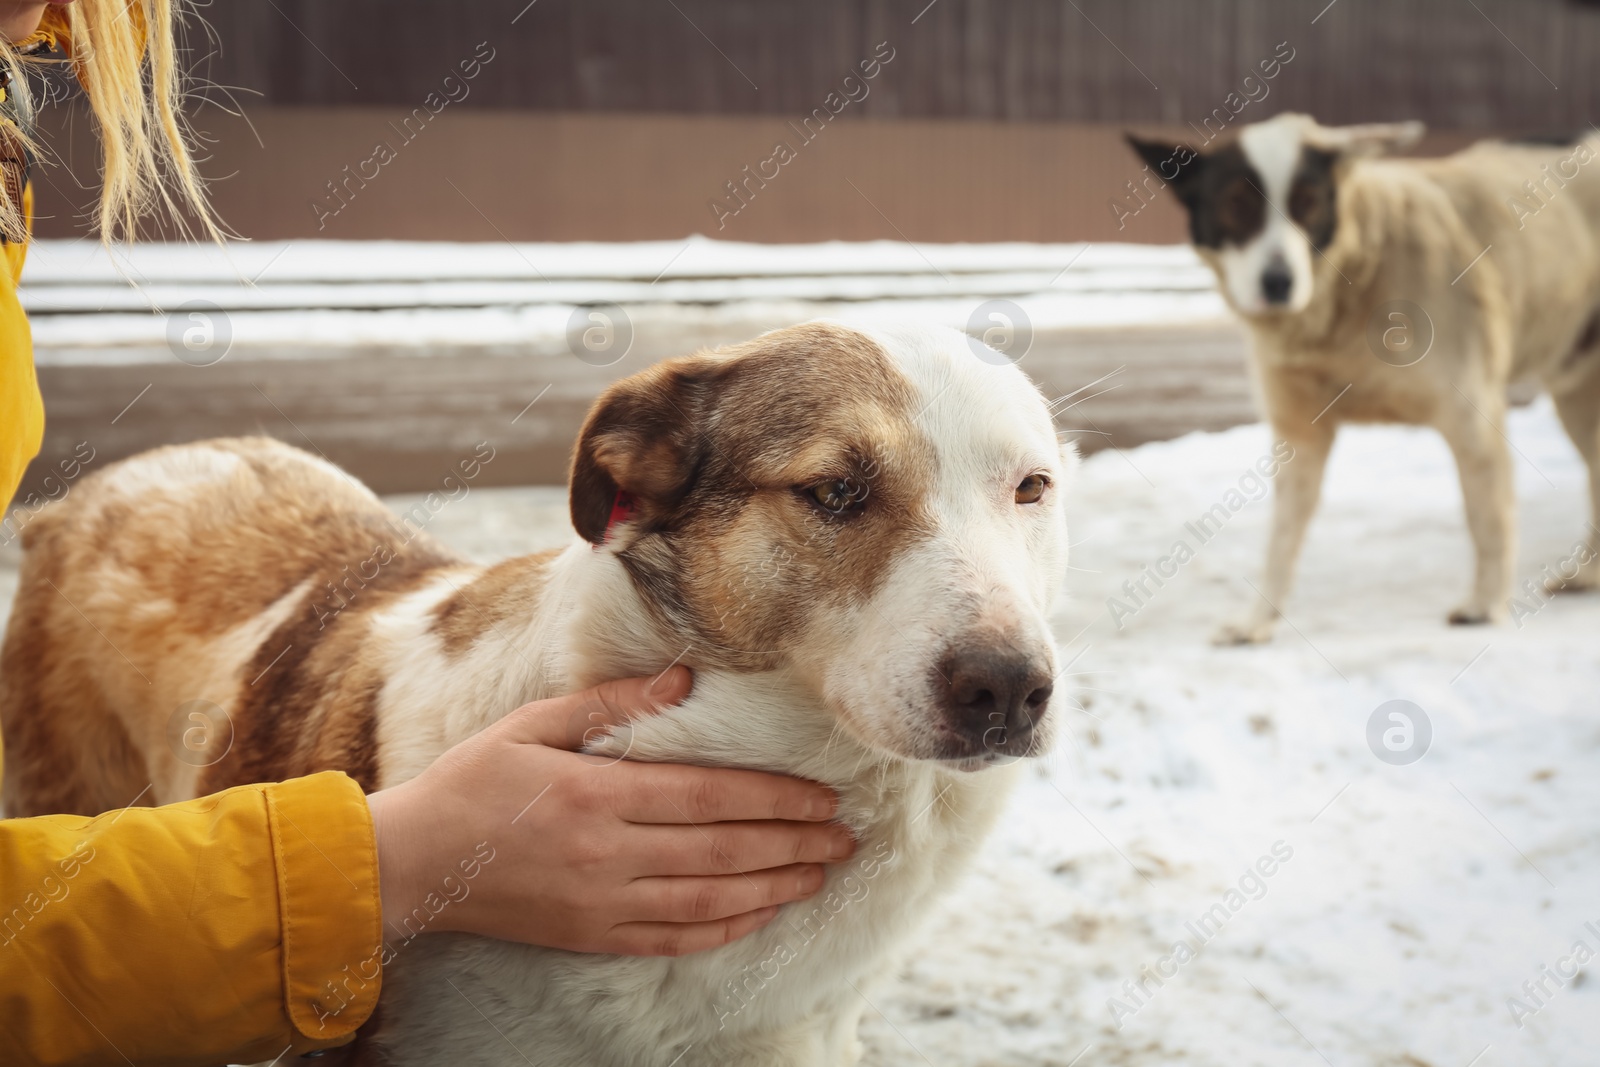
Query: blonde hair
{"points": [[125, 54]]}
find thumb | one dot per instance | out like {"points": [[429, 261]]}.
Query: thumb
{"points": [[578, 719]]}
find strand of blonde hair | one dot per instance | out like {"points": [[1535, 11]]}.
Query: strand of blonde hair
{"points": [[126, 56]]}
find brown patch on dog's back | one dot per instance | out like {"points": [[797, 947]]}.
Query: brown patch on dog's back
{"points": [[307, 700], [505, 592]]}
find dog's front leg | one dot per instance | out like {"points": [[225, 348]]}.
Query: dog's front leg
{"points": [[1476, 434], [1296, 487]]}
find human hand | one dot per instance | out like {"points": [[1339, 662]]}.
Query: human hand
{"points": [[616, 856]]}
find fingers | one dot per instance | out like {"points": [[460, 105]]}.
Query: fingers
{"points": [[680, 939], [572, 721], [628, 698], [737, 847], [671, 793], [695, 900]]}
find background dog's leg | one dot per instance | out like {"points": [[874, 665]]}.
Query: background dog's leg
{"points": [[1579, 408], [1475, 431], [1296, 487]]}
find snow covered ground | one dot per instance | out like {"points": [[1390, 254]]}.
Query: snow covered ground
{"points": [[1414, 900], [88, 306]]}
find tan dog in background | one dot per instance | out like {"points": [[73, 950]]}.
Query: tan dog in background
{"points": [[1404, 291]]}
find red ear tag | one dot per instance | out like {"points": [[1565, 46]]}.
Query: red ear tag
{"points": [[622, 509]]}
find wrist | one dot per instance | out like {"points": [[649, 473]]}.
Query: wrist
{"points": [[396, 874]]}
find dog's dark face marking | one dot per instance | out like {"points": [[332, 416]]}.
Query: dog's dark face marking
{"points": [[1225, 195], [1221, 191], [1314, 195], [1260, 208]]}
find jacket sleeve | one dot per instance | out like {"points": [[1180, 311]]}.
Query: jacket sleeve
{"points": [[232, 928]]}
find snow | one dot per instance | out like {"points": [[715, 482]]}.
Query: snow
{"points": [[90, 306], [541, 328], [1417, 898], [75, 262]]}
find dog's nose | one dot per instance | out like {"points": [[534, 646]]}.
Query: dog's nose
{"points": [[1276, 281], [995, 695]]}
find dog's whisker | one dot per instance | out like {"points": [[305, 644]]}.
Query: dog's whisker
{"points": [[1084, 388], [1086, 399], [865, 753], [1062, 673]]}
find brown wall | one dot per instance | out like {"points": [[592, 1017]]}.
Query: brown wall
{"points": [[539, 176]]}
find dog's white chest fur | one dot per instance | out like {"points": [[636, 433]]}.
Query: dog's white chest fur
{"points": [[788, 995]]}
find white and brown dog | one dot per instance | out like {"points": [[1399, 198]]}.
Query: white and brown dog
{"points": [[854, 537], [1410, 291]]}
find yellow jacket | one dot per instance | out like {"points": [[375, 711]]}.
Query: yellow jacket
{"points": [[233, 928]]}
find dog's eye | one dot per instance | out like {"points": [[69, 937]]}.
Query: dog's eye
{"points": [[838, 496], [1303, 200], [1031, 489], [1240, 208]]}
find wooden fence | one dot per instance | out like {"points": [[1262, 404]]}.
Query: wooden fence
{"points": [[1458, 64]]}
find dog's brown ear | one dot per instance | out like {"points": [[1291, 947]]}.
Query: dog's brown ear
{"points": [[643, 437]]}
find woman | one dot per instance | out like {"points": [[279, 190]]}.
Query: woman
{"points": [[206, 931]]}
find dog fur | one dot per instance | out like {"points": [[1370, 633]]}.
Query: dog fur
{"points": [[822, 647], [1314, 243]]}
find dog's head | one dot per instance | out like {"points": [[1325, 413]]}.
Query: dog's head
{"points": [[1263, 206], [878, 514]]}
